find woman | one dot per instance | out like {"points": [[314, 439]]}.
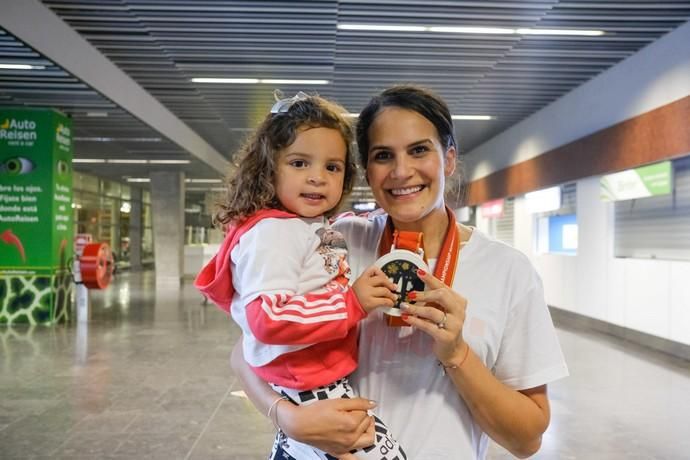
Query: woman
{"points": [[476, 366]]}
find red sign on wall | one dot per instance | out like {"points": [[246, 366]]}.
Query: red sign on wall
{"points": [[492, 209]]}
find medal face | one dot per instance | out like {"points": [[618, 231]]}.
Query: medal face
{"points": [[401, 267]]}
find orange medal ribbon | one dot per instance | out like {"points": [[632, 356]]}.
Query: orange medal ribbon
{"points": [[412, 241]]}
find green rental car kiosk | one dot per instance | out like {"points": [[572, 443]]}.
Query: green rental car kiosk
{"points": [[36, 228]]}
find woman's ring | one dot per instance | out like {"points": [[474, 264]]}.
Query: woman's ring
{"points": [[442, 323]]}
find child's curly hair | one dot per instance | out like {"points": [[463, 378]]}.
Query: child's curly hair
{"points": [[251, 186]]}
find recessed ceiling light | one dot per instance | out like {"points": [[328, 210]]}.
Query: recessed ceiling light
{"points": [[169, 162], [204, 181], [88, 160], [94, 139], [97, 114], [268, 81], [294, 82], [21, 67], [138, 179], [130, 161], [454, 117], [225, 80], [382, 27], [586, 33], [471, 117], [126, 161], [118, 139], [471, 30]]}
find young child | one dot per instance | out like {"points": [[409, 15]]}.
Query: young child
{"points": [[282, 272]]}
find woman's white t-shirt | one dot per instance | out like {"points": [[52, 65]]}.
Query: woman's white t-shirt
{"points": [[507, 325]]}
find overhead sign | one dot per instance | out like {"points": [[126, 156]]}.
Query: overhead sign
{"points": [[364, 206], [651, 180], [492, 209], [548, 199]]}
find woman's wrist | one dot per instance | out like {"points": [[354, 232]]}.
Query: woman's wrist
{"points": [[457, 360]]}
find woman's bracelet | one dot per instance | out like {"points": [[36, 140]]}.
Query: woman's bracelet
{"points": [[456, 366], [274, 405]]}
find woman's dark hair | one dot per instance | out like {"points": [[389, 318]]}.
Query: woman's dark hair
{"points": [[410, 97], [250, 187]]}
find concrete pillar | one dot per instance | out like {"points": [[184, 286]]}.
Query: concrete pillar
{"points": [[135, 228], [167, 207]]}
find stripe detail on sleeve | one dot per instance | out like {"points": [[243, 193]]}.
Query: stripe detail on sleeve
{"points": [[313, 317], [283, 307]]}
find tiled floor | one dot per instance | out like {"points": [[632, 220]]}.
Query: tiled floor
{"points": [[148, 378]]}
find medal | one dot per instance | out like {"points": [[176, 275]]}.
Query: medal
{"points": [[401, 253], [401, 265]]}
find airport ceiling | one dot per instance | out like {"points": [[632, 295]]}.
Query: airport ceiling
{"points": [[163, 44]]}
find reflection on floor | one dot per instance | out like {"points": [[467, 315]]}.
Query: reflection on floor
{"points": [[148, 377]]}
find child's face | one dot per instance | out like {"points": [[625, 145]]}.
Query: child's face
{"points": [[311, 171]]}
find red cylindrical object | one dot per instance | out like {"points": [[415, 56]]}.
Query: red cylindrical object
{"points": [[96, 265]]}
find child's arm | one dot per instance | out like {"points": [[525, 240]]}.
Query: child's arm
{"points": [[319, 317], [270, 263], [333, 425], [290, 319]]}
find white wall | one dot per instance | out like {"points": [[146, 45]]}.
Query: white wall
{"points": [[651, 296]]}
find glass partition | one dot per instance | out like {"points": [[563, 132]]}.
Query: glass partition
{"points": [[102, 208]]}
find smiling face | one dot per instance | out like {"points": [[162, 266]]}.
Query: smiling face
{"points": [[407, 166], [311, 172]]}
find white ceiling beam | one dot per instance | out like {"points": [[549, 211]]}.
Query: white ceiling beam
{"points": [[37, 26]]}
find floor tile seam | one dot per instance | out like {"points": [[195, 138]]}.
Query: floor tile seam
{"points": [[70, 433], [19, 420], [73, 434], [208, 422], [131, 422]]}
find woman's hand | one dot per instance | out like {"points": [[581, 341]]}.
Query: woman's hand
{"points": [[373, 289], [440, 312], [335, 426]]}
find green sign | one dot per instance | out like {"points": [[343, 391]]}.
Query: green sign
{"points": [[651, 180], [35, 191]]}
